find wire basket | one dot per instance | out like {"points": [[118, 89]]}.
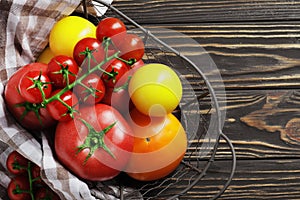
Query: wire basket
{"points": [[199, 112]]}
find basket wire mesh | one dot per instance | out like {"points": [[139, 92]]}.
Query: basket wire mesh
{"points": [[197, 160]]}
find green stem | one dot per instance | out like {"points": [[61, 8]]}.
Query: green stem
{"points": [[30, 180], [98, 67]]}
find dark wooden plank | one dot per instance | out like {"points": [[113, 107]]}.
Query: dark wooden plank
{"points": [[269, 112], [262, 124], [248, 55], [185, 11], [259, 179]]}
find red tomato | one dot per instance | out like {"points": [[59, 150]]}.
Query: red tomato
{"points": [[109, 27], [31, 116], [45, 194], [83, 47], [93, 90], [16, 164], [96, 58], [61, 112], [138, 64], [62, 70], [96, 145], [36, 175], [118, 98], [131, 47], [116, 69], [16, 187], [30, 85], [159, 145]]}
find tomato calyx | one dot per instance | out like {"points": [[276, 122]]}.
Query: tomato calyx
{"points": [[38, 83], [18, 190], [95, 140], [65, 72], [112, 75], [17, 166], [31, 107]]}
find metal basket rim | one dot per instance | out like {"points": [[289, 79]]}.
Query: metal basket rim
{"points": [[211, 91]]}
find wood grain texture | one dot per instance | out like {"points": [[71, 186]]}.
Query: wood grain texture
{"points": [[174, 11], [262, 123], [248, 55], [262, 179]]}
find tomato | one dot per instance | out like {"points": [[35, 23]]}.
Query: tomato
{"points": [[84, 46], [95, 145], [67, 32], [16, 187], [131, 47], [159, 146], [116, 69], [16, 164], [45, 194], [93, 90], [97, 57], [62, 70], [135, 66], [118, 98], [36, 175], [31, 84], [31, 116], [109, 27], [61, 112], [155, 89], [45, 56]]}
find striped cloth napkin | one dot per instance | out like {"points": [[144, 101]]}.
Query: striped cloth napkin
{"points": [[25, 26]]}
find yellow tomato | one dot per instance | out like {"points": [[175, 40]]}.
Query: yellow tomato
{"points": [[155, 89], [67, 32], [45, 56]]}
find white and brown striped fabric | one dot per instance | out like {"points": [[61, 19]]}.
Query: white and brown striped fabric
{"points": [[25, 26]]}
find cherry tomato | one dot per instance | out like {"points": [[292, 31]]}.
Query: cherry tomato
{"points": [[155, 89], [16, 164], [61, 112], [97, 57], [84, 46], [131, 47], [67, 32], [16, 187], [46, 193], [45, 56], [31, 116], [116, 69], [138, 64], [93, 90], [159, 146], [95, 145], [36, 175], [62, 70], [118, 97], [109, 27], [30, 85]]}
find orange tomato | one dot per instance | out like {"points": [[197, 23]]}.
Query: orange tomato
{"points": [[159, 146]]}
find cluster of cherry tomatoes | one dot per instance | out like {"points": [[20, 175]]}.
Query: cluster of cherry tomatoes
{"points": [[26, 183], [112, 112]]}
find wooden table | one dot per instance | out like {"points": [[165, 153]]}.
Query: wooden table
{"points": [[255, 45]]}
